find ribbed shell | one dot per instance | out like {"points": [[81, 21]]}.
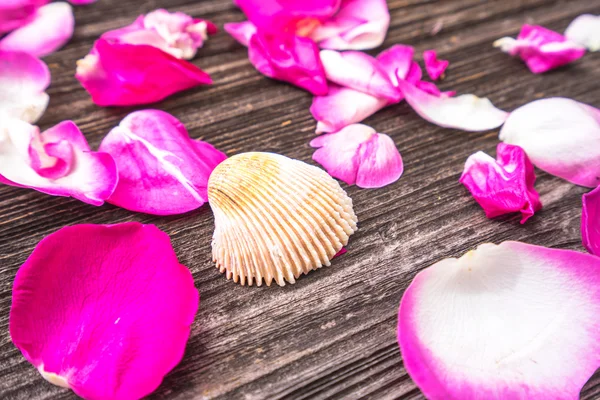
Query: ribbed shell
{"points": [[276, 218]]}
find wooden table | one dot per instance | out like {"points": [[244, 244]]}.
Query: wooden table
{"points": [[332, 335]]}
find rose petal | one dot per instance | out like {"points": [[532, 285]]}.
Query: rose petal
{"points": [[467, 112], [23, 81], [541, 48], [585, 30], [16, 13], [340, 253], [590, 221], [117, 74], [504, 185], [161, 170], [508, 321], [358, 154], [435, 68], [360, 71], [397, 61], [105, 310], [292, 59], [57, 162], [342, 107], [241, 31], [560, 136], [358, 25]]}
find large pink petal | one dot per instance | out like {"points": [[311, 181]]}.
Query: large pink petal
{"points": [[118, 74], [23, 83], [50, 29], [541, 48], [360, 71], [504, 185], [161, 170], [590, 221], [241, 31], [435, 68], [104, 310], [560, 136], [503, 322], [585, 30], [359, 155], [342, 107], [16, 13], [466, 112], [359, 25], [289, 58], [57, 162]]}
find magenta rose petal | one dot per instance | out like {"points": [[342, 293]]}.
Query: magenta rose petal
{"points": [[161, 170], [561, 136], [590, 221], [51, 28], [104, 310], [585, 30], [14, 14], [435, 68], [241, 31], [504, 185], [359, 155], [23, 83], [120, 74], [541, 49], [57, 162]]}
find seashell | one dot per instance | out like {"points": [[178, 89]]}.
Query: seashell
{"points": [[276, 218]]}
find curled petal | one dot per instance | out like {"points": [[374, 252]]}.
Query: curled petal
{"points": [[585, 30], [50, 29], [23, 82], [493, 323], [104, 310], [541, 48], [360, 71], [359, 155], [289, 58], [342, 107], [397, 61], [118, 74], [466, 112], [57, 162], [590, 221], [161, 170], [560, 136], [504, 185], [435, 68], [241, 31], [16, 13], [359, 25]]}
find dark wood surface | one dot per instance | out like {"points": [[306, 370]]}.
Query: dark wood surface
{"points": [[332, 335]]}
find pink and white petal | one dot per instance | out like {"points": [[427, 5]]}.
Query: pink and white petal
{"points": [[585, 30], [51, 28], [358, 25], [590, 221], [508, 321], [435, 68], [380, 162], [504, 185], [342, 107], [397, 61], [120, 74], [161, 170], [23, 81], [561, 136], [16, 13], [241, 31], [466, 112], [124, 302], [149, 37], [359, 71]]}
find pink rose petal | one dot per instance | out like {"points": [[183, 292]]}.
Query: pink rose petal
{"points": [[23, 82], [241, 31], [57, 162], [560, 136], [590, 221], [466, 112], [360, 71], [508, 321], [16, 13], [50, 29], [504, 185], [585, 30], [104, 310], [117, 74], [341, 252], [161, 170], [359, 155], [397, 61], [435, 68], [541, 48], [358, 25], [292, 59]]}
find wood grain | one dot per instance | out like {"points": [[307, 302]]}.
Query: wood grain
{"points": [[333, 334]]}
